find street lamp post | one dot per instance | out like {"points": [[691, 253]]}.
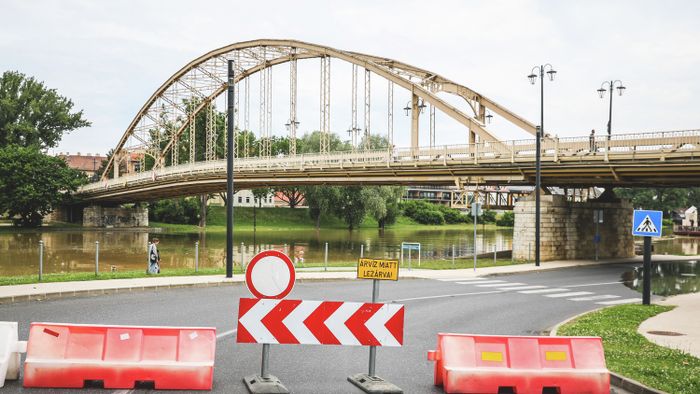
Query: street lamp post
{"points": [[547, 68], [610, 85], [229, 173]]}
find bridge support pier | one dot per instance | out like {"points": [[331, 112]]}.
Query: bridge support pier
{"points": [[568, 229], [99, 216]]}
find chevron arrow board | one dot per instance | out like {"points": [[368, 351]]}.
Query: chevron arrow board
{"points": [[300, 322]]}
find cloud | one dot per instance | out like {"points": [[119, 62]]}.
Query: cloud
{"points": [[110, 56]]}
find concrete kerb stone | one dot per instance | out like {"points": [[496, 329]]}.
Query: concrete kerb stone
{"points": [[617, 380]]}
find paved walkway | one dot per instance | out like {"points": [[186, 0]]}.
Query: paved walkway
{"points": [[683, 320], [68, 289]]}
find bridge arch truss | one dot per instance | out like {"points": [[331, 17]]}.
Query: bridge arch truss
{"points": [[161, 122]]}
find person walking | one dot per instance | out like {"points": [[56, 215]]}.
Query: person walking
{"points": [[154, 257], [591, 142]]}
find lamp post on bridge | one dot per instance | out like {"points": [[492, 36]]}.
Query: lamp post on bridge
{"points": [[549, 70], [610, 85]]}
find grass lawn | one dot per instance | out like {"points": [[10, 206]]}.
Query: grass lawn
{"points": [[630, 354], [82, 276]]}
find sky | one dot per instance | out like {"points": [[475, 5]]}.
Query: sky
{"points": [[110, 56]]}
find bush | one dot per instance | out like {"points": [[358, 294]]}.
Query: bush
{"points": [[175, 211], [506, 219], [452, 215], [427, 216], [488, 216]]}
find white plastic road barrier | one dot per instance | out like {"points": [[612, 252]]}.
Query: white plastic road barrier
{"points": [[10, 349]]}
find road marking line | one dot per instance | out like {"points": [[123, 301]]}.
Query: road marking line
{"points": [[481, 282], [501, 285], [551, 290], [226, 333], [623, 301], [597, 284], [594, 298], [572, 294], [459, 279], [522, 287], [447, 296]]}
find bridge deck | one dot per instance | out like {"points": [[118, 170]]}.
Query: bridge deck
{"points": [[648, 159]]}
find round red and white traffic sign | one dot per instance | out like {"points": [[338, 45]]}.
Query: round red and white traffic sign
{"points": [[270, 274]]}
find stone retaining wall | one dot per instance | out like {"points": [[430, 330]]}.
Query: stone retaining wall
{"points": [[98, 216], [567, 229]]}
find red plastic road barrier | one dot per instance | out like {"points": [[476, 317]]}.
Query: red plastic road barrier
{"points": [[67, 355], [483, 364]]}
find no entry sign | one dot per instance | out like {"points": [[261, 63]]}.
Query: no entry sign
{"points": [[270, 274]]}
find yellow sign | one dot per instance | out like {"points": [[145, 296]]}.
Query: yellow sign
{"points": [[492, 356], [555, 356], [378, 269]]}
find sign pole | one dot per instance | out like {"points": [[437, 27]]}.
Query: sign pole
{"points": [[476, 219], [265, 368], [647, 224], [376, 269], [373, 349], [646, 295]]}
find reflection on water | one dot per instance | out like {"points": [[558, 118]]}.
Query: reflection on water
{"points": [[689, 246], [71, 251], [667, 278]]}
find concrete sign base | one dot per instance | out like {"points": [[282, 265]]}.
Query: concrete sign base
{"points": [[257, 385], [373, 384]]}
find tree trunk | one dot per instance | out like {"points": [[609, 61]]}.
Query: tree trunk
{"points": [[318, 222], [203, 210]]}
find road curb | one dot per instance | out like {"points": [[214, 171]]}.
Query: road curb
{"points": [[617, 380]]}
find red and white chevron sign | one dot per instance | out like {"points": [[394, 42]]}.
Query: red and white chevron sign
{"points": [[319, 322]]}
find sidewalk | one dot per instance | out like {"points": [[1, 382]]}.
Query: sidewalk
{"points": [[681, 325], [40, 291]]}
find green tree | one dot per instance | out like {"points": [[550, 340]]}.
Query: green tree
{"points": [[350, 207], [382, 203], [32, 114], [661, 199], [33, 184], [320, 199], [506, 219]]}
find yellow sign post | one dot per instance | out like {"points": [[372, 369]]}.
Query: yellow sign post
{"points": [[378, 269]]}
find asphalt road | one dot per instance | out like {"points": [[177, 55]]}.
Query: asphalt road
{"points": [[522, 304]]}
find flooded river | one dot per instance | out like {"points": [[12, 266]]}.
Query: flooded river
{"points": [[71, 251]]}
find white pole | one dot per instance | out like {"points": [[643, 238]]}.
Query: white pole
{"points": [[97, 257], [41, 258], [325, 258], [196, 256], [362, 250]]}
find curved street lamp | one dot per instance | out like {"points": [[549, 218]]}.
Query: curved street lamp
{"points": [[610, 85], [541, 70]]}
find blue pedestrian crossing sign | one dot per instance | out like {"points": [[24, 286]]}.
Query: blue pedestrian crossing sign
{"points": [[647, 223]]}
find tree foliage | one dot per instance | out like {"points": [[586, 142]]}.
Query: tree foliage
{"points": [[427, 213], [175, 210], [33, 184], [661, 199], [506, 219], [32, 114]]}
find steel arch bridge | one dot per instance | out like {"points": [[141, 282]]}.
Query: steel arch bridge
{"points": [[159, 149]]}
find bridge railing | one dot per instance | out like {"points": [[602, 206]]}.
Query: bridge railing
{"points": [[554, 149]]}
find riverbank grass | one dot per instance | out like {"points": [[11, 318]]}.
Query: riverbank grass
{"points": [[630, 354], [83, 276]]}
